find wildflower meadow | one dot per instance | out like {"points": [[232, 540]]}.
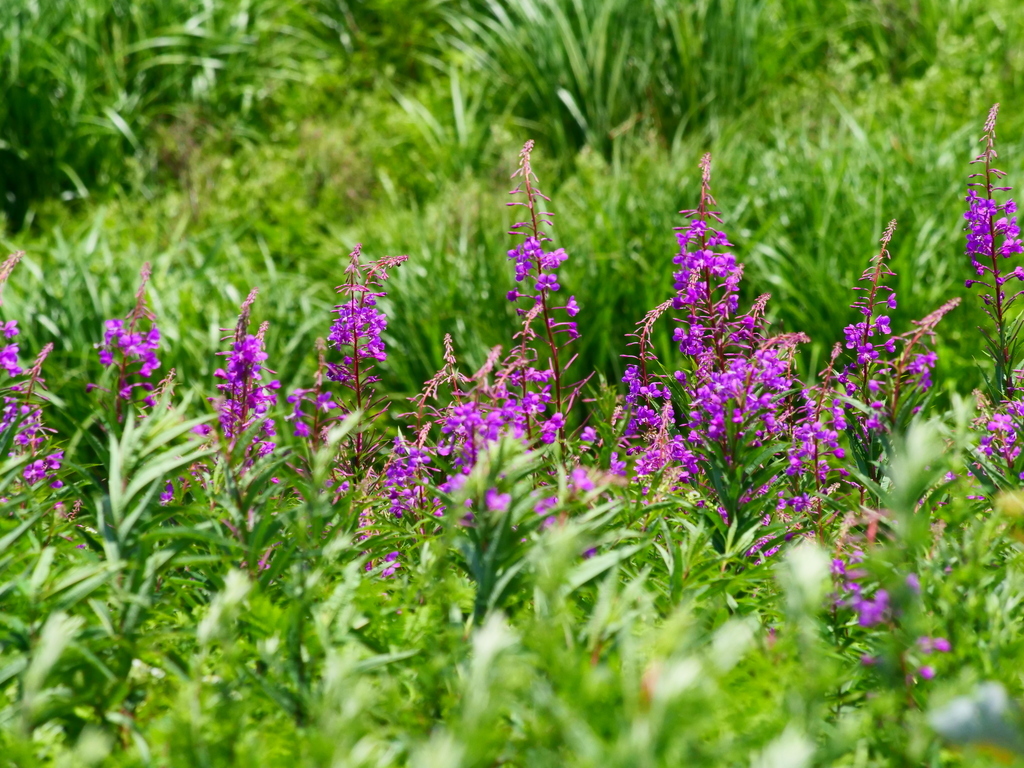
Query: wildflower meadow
{"points": [[680, 497], [712, 559]]}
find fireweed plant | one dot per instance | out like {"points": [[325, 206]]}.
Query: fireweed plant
{"points": [[993, 237], [22, 431], [721, 421], [714, 440], [130, 342]]}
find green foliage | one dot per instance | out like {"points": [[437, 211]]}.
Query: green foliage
{"points": [[86, 83], [158, 641]]}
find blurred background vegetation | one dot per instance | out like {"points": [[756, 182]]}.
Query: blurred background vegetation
{"points": [[254, 142]]}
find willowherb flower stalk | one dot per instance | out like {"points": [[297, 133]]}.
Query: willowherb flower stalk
{"points": [[246, 400], [357, 334], [707, 282], [126, 343], [993, 235], [738, 374], [913, 367], [522, 395], [859, 335], [9, 329], [643, 391], [313, 425], [733, 390], [449, 375], [404, 476], [878, 378], [21, 409], [815, 444], [535, 267], [22, 412]]}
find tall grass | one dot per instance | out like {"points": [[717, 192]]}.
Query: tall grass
{"points": [[102, 92], [804, 195], [587, 73], [83, 84], [813, 168]]}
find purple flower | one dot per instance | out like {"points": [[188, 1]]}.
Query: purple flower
{"points": [[572, 308], [525, 256], [929, 644], [921, 366], [617, 466], [44, 469], [580, 480], [1000, 438], [878, 376], [321, 402], [927, 672], [132, 342], [547, 282], [549, 429], [496, 501], [992, 234], [545, 504], [134, 346], [392, 565], [357, 333], [9, 359], [873, 611], [403, 479], [246, 399]]}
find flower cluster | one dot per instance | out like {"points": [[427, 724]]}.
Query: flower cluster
{"points": [[246, 401], [514, 396], [534, 262], [9, 352], [729, 424], [743, 399], [357, 334], [869, 338], [318, 401], [992, 230], [44, 469], [21, 406], [404, 476], [882, 609], [818, 425], [707, 282], [884, 383], [312, 425], [869, 610], [999, 439], [734, 389], [992, 235], [522, 395], [127, 342], [22, 412]]}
